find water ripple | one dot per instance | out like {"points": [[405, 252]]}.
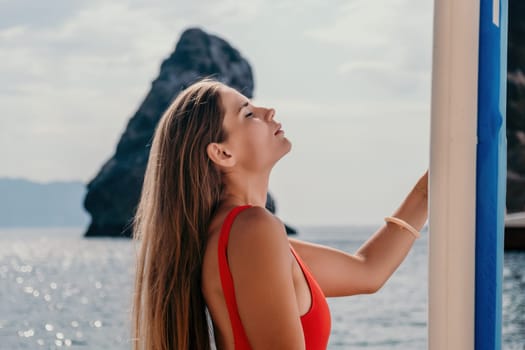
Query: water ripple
{"points": [[61, 291]]}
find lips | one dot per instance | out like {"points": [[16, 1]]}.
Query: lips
{"points": [[278, 129]]}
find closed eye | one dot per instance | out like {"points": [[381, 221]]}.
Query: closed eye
{"points": [[250, 114]]}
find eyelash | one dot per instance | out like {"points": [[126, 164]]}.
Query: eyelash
{"points": [[249, 114]]}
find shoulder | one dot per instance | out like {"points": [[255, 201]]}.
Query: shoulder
{"points": [[258, 225], [258, 216], [256, 234]]}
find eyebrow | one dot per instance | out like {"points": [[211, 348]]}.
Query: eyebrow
{"points": [[243, 105]]}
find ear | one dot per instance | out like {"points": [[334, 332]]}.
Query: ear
{"points": [[220, 155]]}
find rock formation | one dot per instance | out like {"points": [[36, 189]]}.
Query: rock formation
{"points": [[516, 108], [114, 193]]}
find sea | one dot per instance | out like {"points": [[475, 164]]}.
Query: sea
{"points": [[59, 290]]}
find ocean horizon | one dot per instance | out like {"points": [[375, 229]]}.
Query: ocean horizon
{"points": [[59, 289]]}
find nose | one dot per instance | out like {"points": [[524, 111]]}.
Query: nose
{"points": [[270, 113]]}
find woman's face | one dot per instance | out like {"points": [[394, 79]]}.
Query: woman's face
{"points": [[254, 137]]}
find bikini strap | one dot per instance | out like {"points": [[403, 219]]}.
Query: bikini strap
{"points": [[227, 280]]}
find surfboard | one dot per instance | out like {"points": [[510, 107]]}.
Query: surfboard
{"points": [[467, 176]]}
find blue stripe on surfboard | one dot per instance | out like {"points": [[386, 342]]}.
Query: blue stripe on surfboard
{"points": [[491, 174], [502, 167]]}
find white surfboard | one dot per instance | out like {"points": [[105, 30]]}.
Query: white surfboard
{"points": [[467, 174]]}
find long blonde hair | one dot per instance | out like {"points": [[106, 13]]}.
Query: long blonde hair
{"points": [[181, 191]]}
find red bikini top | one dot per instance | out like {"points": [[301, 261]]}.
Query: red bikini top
{"points": [[316, 322]]}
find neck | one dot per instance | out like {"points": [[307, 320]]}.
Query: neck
{"points": [[242, 189]]}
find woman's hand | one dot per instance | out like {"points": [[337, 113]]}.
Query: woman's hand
{"points": [[414, 209], [422, 185]]}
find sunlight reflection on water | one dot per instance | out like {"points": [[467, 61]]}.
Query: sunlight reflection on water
{"points": [[59, 290]]}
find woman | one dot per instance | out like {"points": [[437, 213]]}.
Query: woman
{"points": [[207, 243]]}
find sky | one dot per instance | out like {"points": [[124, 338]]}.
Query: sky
{"points": [[349, 79]]}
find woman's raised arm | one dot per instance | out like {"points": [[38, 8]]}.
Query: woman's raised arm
{"points": [[342, 274]]}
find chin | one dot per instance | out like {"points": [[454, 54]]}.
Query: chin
{"points": [[287, 149], [289, 146]]}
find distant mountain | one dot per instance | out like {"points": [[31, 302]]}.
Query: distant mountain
{"points": [[24, 203]]}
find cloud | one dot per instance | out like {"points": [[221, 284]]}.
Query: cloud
{"points": [[38, 14], [393, 31], [387, 80], [79, 75], [353, 66], [350, 82], [370, 25], [103, 37], [384, 46]]}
